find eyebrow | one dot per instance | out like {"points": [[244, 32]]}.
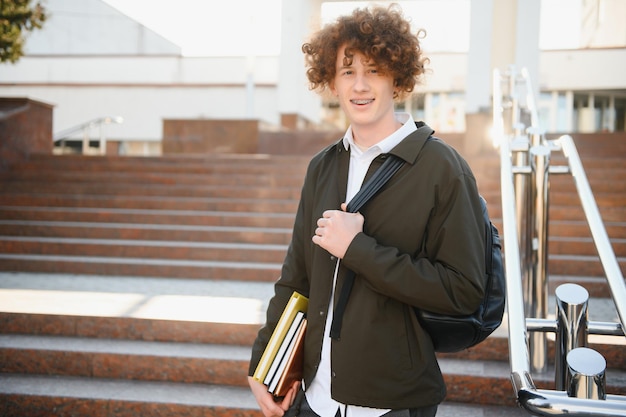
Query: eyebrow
{"points": [[368, 64]]}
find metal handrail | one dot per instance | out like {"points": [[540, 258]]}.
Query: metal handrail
{"points": [[65, 134], [543, 402], [598, 232], [85, 127]]}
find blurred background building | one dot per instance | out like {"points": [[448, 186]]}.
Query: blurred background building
{"points": [[101, 58]]}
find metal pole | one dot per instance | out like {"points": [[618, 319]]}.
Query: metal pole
{"points": [[586, 374], [538, 284], [572, 319], [85, 140]]}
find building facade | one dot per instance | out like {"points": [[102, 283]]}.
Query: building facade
{"points": [[91, 61]]}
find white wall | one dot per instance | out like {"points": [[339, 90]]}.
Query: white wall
{"points": [[90, 27], [584, 69], [143, 90]]}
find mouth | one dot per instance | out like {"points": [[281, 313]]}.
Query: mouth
{"points": [[362, 102]]}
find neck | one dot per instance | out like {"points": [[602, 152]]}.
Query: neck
{"points": [[367, 136]]}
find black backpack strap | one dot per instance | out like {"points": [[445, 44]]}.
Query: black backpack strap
{"points": [[375, 183], [367, 191]]}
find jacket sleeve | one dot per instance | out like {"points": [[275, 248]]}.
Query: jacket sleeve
{"points": [[445, 272]]}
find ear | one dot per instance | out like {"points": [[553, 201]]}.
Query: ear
{"points": [[333, 90]]}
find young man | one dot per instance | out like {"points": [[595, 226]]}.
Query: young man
{"points": [[418, 243]]}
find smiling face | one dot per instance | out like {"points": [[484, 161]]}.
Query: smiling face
{"points": [[366, 96]]}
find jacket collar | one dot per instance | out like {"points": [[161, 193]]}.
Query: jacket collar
{"points": [[408, 149], [411, 146]]}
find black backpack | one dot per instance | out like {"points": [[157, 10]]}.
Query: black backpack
{"points": [[448, 333], [455, 333]]}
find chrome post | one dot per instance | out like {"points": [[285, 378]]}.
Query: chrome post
{"points": [[515, 110], [586, 374], [522, 198], [85, 140], [572, 319], [103, 141], [538, 282]]}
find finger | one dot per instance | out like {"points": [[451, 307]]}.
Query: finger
{"points": [[288, 400], [328, 214], [291, 395], [344, 207], [272, 408]]}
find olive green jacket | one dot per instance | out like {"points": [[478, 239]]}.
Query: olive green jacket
{"points": [[422, 246]]}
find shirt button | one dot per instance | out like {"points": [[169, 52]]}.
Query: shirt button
{"points": [[332, 257], [322, 312], [333, 374]]}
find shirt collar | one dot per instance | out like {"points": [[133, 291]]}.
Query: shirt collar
{"points": [[388, 143]]}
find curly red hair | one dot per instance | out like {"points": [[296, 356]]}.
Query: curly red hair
{"points": [[383, 35]]}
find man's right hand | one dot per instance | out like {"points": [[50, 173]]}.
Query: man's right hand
{"points": [[269, 407]]}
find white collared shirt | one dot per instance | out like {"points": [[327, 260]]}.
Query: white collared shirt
{"points": [[318, 394]]}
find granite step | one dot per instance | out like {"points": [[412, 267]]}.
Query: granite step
{"points": [[107, 189], [266, 179], [140, 267], [154, 232], [596, 286], [611, 214], [142, 217], [38, 396], [171, 165], [587, 268], [220, 364], [148, 249], [467, 381], [574, 245], [126, 189], [203, 163], [151, 202], [177, 235], [18, 217]]}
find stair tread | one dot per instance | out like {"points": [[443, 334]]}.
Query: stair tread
{"points": [[128, 390], [143, 242], [187, 394], [143, 261], [125, 347], [478, 368]]}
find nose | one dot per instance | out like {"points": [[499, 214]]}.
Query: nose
{"points": [[360, 82]]}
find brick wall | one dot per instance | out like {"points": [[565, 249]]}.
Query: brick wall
{"points": [[182, 136], [25, 128]]}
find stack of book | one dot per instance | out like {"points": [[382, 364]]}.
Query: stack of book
{"points": [[281, 362]]}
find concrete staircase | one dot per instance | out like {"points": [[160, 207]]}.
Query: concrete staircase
{"points": [[135, 286]]}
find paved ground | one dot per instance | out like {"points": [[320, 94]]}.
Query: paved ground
{"points": [[161, 298], [155, 298]]}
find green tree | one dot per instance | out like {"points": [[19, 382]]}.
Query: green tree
{"points": [[17, 17]]}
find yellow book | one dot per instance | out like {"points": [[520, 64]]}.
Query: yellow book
{"points": [[296, 303]]}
